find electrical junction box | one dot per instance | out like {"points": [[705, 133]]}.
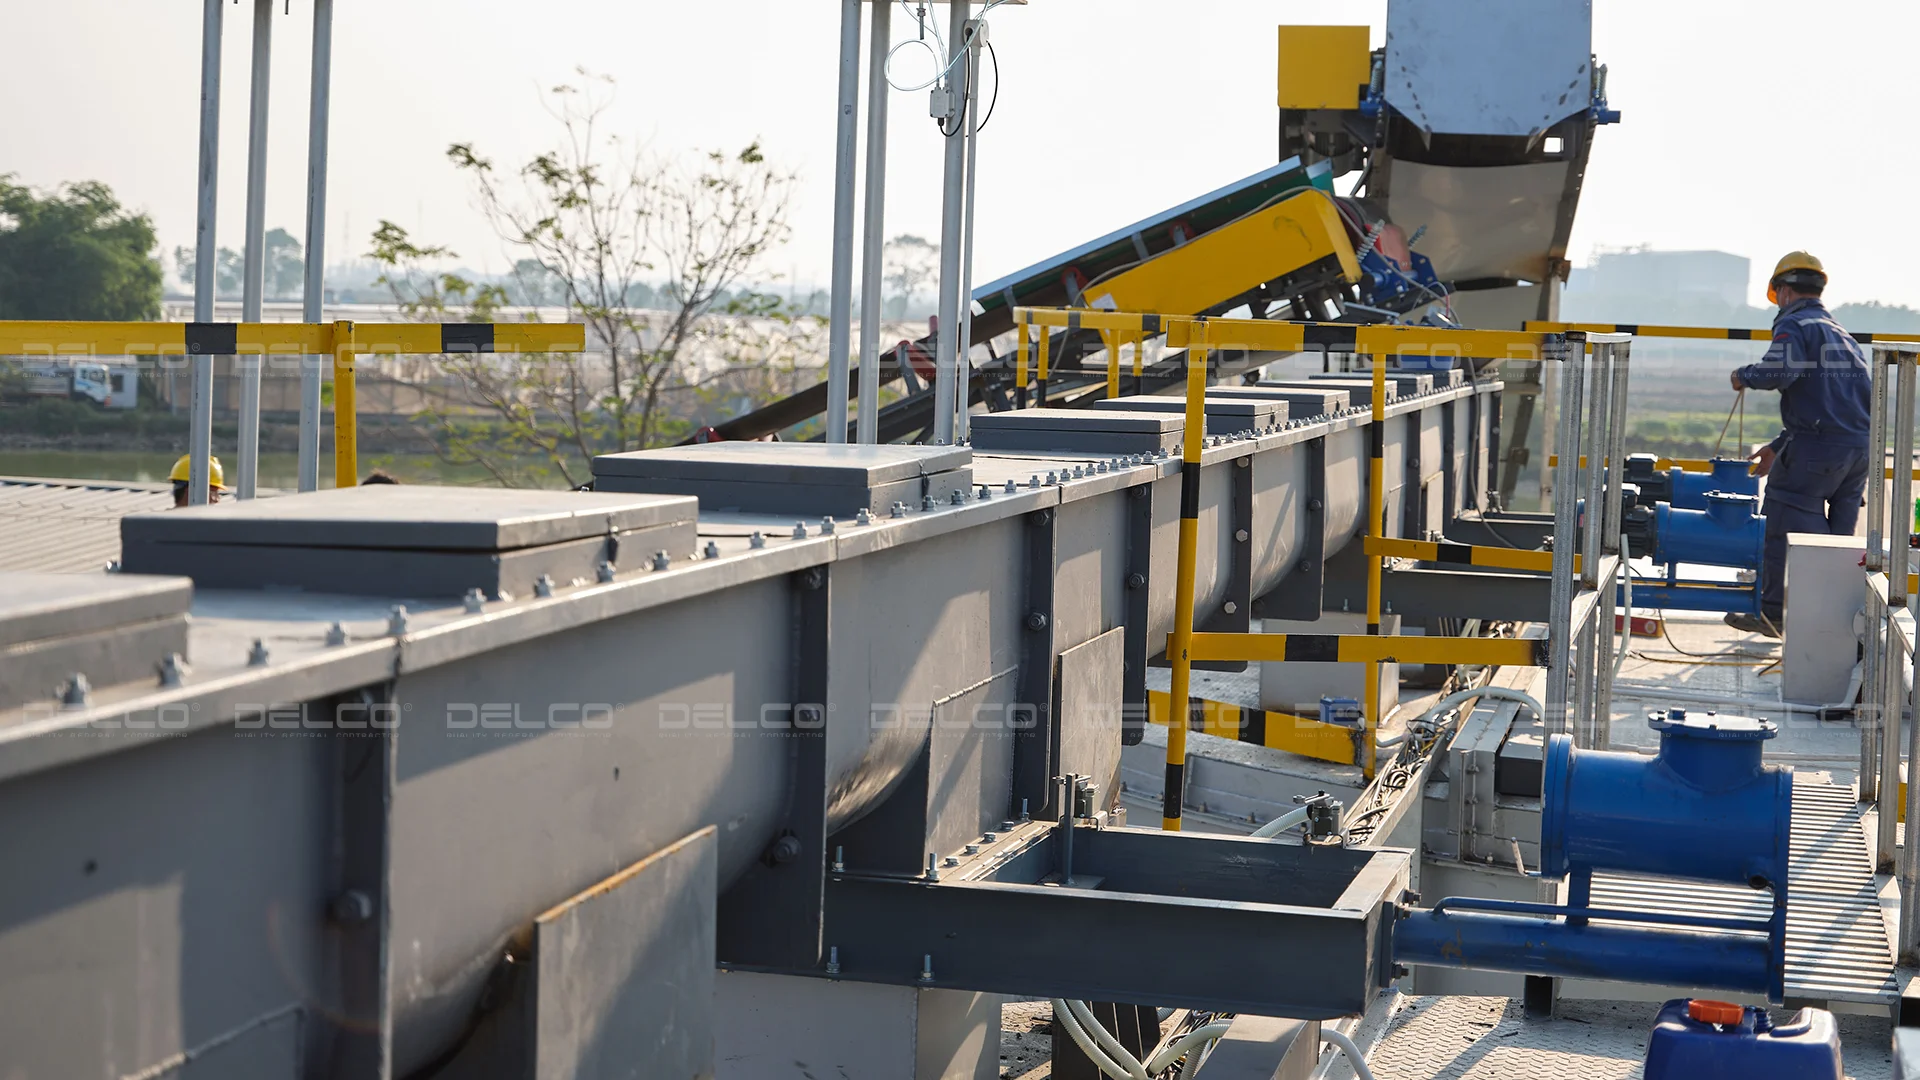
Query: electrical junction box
{"points": [[1080, 431], [1302, 403], [115, 628], [810, 480], [1225, 416], [409, 541]]}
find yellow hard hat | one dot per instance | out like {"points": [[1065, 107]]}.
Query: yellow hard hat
{"points": [[183, 472], [1793, 262]]}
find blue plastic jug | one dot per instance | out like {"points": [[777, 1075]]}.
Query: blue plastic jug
{"points": [[1697, 1039]]}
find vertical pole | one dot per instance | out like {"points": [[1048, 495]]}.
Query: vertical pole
{"points": [[1877, 451], [1886, 842], [1876, 516], [255, 269], [346, 448], [867, 423], [952, 204], [1023, 345], [1111, 339], [1561, 351], [311, 294], [1376, 526], [1595, 425], [1910, 852], [1900, 532], [1040, 363], [1139, 361], [840, 313], [1895, 646], [1611, 540], [1179, 693], [963, 387], [206, 253]]}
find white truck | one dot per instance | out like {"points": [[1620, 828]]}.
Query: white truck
{"points": [[109, 386]]}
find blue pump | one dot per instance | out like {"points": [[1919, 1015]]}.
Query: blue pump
{"points": [[1688, 490], [1728, 531], [1706, 807]]}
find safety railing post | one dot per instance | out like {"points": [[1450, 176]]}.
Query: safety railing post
{"points": [[1139, 363], [1180, 644], [1022, 348], [1896, 644], [1565, 352], [1111, 339], [1876, 610], [1376, 526], [1611, 541], [1909, 951], [1900, 530], [346, 448], [1045, 345]]}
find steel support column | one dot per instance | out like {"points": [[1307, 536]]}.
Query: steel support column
{"points": [[206, 251], [867, 422], [946, 372], [840, 301], [1566, 353], [312, 295]]}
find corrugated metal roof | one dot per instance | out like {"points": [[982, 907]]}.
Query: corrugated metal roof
{"points": [[68, 525]]}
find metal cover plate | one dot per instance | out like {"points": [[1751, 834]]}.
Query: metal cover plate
{"points": [[1408, 382], [1081, 420], [818, 465], [34, 607], [1301, 403], [1261, 412], [411, 516]]}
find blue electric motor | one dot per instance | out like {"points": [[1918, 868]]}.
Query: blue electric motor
{"points": [[1729, 532], [1688, 490], [1714, 1040], [1705, 807]]}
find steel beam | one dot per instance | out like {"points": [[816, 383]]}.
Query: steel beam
{"points": [[206, 252], [312, 289], [840, 300]]}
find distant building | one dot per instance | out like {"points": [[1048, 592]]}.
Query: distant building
{"points": [[1712, 277]]}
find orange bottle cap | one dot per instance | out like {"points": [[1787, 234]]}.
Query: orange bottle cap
{"points": [[1715, 1012]]}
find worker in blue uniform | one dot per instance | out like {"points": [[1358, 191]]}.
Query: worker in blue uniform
{"points": [[1816, 468]]}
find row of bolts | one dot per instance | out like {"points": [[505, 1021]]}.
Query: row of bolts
{"points": [[76, 692]]}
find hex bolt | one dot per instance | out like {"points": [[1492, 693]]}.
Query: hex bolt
{"points": [[1052, 479], [833, 959], [950, 861], [1136, 580], [826, 525], [1024, 817], [257, 655], [799, 530], [927, 503], [933, 872], [351, 908], [971, 849], [336, 634], [1008, 826], [1033, 481], [1314, 504], [604, 572], [1012, 487], [76, 691], [839, 860], [1036, 620], [543, 586], [1244, 463], [986, 492], [712, 550], [396, 620], [863, 517], [1241, 535], [113, 566], [757, 541], [475, 601], [1230, 607], [959, 498], [1079, 473], [989, 837], [899, 509], [174, 670], [926, 968]]}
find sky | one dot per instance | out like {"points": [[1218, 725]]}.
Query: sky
{"points": [[1750, 126]]}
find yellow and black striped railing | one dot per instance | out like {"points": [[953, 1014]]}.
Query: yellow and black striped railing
{"points": [[48, 338], [1698, 333]]}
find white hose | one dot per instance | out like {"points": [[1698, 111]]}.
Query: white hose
{"points": [[1439, 707], [1181, 1046], [1063, 1015], [1354, 1057], [1626, 623], [1282, 823]]}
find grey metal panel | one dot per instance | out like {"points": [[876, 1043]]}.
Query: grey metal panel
{"points": [[34, 606], [1488, 67], [808, 502], [38, 670], [1265, 1048], [1078, 430], [1360, 389], [1407, 383], [619, 969], [970, 762], [1090, 713], [1224, 416], [268, 1048], [814, 465], [1301, 404], [163, 898], [1280, 493], [409, 572], [409, 516]]}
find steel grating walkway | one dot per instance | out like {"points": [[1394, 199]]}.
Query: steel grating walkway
{"points": [[1837, 943]]}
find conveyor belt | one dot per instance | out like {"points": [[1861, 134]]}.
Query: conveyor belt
{"points": [[1837, 944]]}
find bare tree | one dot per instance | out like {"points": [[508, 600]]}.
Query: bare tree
{"points": [[910, 264], [598, 224]]}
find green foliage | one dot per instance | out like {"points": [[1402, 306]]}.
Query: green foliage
{"points": [[75, 253], [57, 417], [282, 278]]}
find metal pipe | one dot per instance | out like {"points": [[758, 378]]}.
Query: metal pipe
{"points": [[253, 283], [1595, 426], [206, 253], [1065, 784], [1560, 589], [840, 301], [1180, 643], [963, 354], [1870, 681], [1900, 527], [1894, 651], [1910, 852], [1539, 946], [1111, 339], [1887, 716], [952, 205], [1376, 526], [1877, 478], [311, 292], [872, 269]]}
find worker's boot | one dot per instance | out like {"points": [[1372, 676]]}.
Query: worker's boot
{"points": [[1749, 623]]}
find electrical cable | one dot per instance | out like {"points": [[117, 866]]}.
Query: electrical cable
{"points": [[995, 99]]}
